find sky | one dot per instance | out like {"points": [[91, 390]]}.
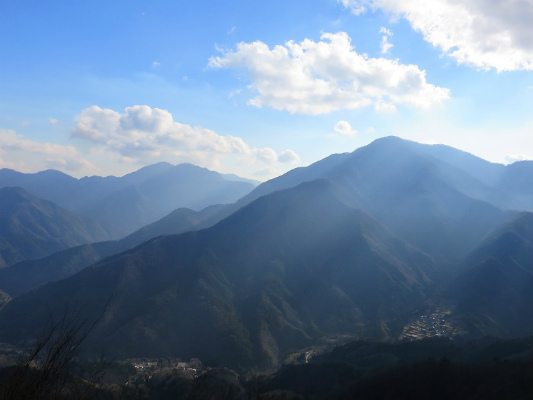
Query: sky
{"points": [[257, 88]]}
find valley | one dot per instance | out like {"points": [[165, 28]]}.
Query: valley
{"points": [[266, 200], [396, 242]]}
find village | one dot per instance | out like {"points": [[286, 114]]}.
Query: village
{"points": [[146, 366], [438, 323]]}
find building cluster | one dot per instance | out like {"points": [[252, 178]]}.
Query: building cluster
{"points": [[438, 323]]}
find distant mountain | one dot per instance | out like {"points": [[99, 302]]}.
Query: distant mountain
{"points": [[30, 274], [33, 228], [472, 176], [444, 176], [495, 290], [126, 204], [422, 199], [148, 200], [440, 199], [233, 177], [49, 185], [178, 221], [277, 275], [350, 246]]}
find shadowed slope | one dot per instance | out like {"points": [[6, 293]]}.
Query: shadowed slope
{"points": [[496, 286], [33, 228]]}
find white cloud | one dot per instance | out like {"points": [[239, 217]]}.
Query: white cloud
{"points": [[234, 93], [268, 173], [385, 45], [143, 135], [53, 121], [355, 7], [156, 64], [511, 158], [384, 107], [344, 128], [481, 33], [30, 156], [288, 156], [322, 77]]}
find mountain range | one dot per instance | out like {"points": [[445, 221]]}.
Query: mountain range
{"points": [[125, 204], [350, 246]]}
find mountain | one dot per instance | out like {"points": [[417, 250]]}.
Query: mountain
{"points": [[422, 199], [178, 221], [472, 176], [49, 185], [279, 274], [33, 228], [438, 172], [126, 204], [495, 289], [30, 274], [440, 199], [148, 200], [351, 246]]}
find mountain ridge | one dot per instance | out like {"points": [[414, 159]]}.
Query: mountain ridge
{"points": [[149, 193], [352, 249]]}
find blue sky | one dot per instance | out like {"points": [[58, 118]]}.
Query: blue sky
{"points": [[257, 88]]}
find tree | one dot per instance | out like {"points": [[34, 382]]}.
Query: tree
{"points": [[46, 372]]}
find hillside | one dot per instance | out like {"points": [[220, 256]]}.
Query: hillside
{"points": [[353, 246], [245, 299], [495, 289], [30, 274], [32, 228]]}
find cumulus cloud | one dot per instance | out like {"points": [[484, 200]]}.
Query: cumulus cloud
{"points": [[322, 77], [142, 134], [385, 45], [344, 128], [481, 33], [289, 156], [28, 155]]}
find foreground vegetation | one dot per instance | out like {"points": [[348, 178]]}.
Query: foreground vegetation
{"points": [[431, 368]]}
